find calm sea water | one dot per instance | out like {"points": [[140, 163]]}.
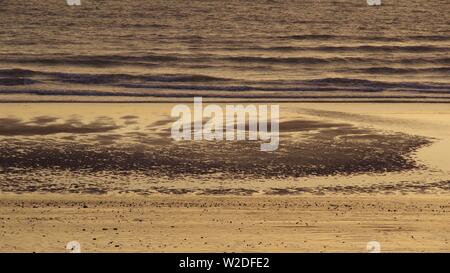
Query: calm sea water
{"points": [[218, 48]]}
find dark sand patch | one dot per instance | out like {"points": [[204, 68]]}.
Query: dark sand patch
{"points": [[49, 163], [45, 126]]}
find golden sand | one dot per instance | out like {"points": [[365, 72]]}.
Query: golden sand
{"points": [[401, 223]]}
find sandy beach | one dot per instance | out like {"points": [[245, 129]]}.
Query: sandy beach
{"points": [[109, 177], [45, 223]]}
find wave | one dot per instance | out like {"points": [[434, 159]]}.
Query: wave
{"points": [[114, 78], [312, 37], [322, 84], [101, 60], [363, 83], [216, 60], [293, 60], [93, 96], [336, 60], [429, 37], [16, 81], [363, 48], [19, 74], [199, 82], [390, 70], [242, 89], [325, 37]]}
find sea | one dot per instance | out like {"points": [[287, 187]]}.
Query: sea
{"points": [[272, 49]]}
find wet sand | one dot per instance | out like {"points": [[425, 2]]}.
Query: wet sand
{"points": [[108, 176], [127, 148], [183, 223]]}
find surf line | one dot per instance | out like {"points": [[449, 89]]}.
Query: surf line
{"points": [[227, 123]]}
